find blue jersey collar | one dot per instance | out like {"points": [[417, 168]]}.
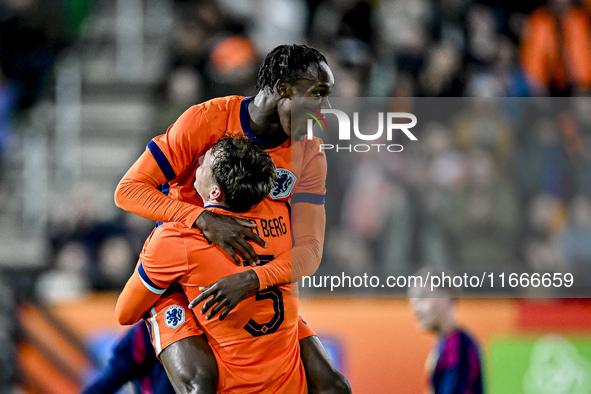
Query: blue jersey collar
{"points": [[248, 131]]}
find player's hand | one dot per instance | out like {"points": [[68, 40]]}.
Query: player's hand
{"points": [[231, 234], [227, 292]]}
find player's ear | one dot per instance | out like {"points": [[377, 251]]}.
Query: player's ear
{"points": [[216, 194], [283, 89]]}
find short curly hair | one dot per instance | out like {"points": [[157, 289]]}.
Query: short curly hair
{"points": [[285, 62], [243, 170]]}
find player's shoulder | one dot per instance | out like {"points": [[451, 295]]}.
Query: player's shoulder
{"points": [[313, 145], [221, 104], [460, 340], [173, 229], [213, 108], [468, 338]]}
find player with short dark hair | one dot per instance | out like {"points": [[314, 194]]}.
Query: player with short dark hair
{"points": [[257, 349], [169, 164], [454, 363], [244, 172]]}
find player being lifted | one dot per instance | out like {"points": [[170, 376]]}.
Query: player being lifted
{"points": [[257, 349], [169, 163]]}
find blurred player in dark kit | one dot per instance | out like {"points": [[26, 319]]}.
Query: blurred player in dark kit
{"points": [[453, 366]]}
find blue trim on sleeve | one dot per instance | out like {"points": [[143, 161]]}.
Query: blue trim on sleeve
{"points": [[308, 197], [148, 282], [164, 188], [162, 161]]}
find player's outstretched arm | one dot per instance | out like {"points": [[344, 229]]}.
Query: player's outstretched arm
{"points": [[135, 300], [308, 222]]}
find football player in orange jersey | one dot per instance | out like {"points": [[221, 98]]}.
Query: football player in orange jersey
{"points": [[256, 348], [288, 71]]}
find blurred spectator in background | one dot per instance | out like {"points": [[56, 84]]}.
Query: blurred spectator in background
{"points": [[269, 23], [482, 125], [542, 165], [576, 236], [344, 29], [232, 64], [413, 235], [441, 73], [366, 205], [88, 252], [577, 131], [210, 57], [8, 106], [546, 218], [448, 23], [68, 277], [556, 49], [32, 32], [482, 37], [481, 218]]}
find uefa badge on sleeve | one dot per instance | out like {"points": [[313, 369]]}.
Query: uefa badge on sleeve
{"points": [[174, 316]]}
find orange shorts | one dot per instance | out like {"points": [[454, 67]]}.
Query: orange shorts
{"points": [[171, 320]]}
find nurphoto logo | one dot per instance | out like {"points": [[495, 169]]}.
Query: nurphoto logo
{"points": [[391, 122]]}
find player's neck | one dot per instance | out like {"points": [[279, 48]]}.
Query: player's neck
{"points": [[448, 326], [263, 118], [215, 204]]}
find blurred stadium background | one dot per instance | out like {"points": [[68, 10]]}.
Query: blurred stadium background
{"points": [[84, 85]]}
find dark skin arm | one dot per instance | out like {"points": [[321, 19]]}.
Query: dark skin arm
{"points": [[226, 293], [231, 234]]}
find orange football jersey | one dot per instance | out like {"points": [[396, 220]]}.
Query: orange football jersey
{"points": [[256, 346]]}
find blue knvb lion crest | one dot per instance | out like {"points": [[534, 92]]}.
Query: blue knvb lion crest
{"points": [[285, 181], [175, 316]]}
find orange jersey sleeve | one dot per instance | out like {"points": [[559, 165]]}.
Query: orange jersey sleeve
{"points": [[304, 257], [137, 193], [311, 184], [308, 218], [171, 160], [135, 300], [163, 261]]}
